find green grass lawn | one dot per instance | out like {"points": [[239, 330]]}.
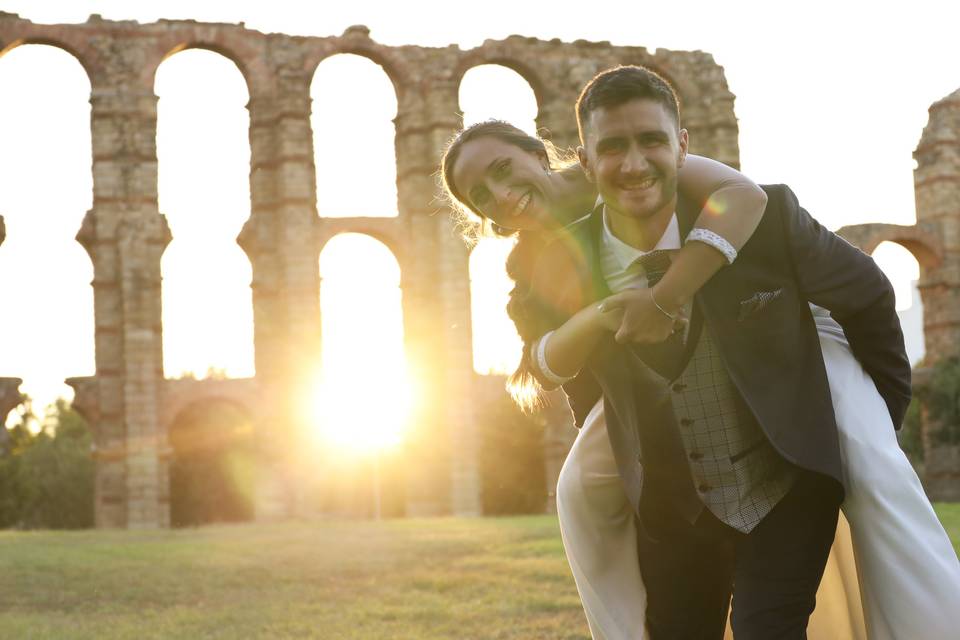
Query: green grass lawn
{"points": [[401, 579]]}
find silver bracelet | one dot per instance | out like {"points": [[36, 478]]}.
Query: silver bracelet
{"points": [[715, 240], [672, 316]]}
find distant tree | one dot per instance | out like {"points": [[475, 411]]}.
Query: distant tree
{"points": [[46, 478], [942, 398], [17, 438]]}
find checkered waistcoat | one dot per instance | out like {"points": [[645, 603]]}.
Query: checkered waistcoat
{"points": [[738, 474]]}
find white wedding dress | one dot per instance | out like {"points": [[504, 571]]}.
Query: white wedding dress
{"points": [[903, 585]]}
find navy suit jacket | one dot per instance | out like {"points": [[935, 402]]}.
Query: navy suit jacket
{"points": [[758, 315]]}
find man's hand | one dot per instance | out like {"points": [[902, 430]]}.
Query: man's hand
{"points": [[642, 321]]}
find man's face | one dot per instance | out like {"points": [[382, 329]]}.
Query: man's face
{"points": [[632, 153]]}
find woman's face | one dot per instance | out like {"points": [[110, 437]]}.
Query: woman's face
{"points": [[509, 185]]}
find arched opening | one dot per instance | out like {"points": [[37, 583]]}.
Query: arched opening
{"points": [[364, 395], [354, 104], [514, 483], [903, 270], [46, 186], [496, 345], [212, 468], [493, 91], [204, 162]]}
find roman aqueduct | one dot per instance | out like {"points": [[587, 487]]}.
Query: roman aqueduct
{"points": [[129, 403]]}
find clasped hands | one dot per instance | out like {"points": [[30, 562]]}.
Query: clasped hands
{"points": [[635, 316]]}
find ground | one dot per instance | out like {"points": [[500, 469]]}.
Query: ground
{"points": [[415, 579]]}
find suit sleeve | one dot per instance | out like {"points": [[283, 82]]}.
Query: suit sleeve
{"points": [[837, 276]]}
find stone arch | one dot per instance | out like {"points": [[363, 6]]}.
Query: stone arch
{"points": [[923, 243], [483, 56], [214, 47], [212, 462], [383, 237], [507, 75], [345, 156], [356, 41], [75, 51], [387, 234], [180, 394]]}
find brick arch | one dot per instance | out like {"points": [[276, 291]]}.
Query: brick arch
{"points": [[386, 231], [213, 400], [483, 55], [213, 47], [75, 51], [185, 394], [926, 247], [361, 45]]}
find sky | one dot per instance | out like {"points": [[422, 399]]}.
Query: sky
{"points": [[831, 99]]}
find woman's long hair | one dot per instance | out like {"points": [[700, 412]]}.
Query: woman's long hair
{"points": [[522, 307]]}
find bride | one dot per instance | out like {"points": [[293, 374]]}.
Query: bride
{"points": [[906, 580]]}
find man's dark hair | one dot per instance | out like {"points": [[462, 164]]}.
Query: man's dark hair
{"points": [[619, 85]]}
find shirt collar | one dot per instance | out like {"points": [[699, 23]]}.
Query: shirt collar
{"points": [[626, 255]]}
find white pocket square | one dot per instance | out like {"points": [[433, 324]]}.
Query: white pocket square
{"points": [[756, 303]]}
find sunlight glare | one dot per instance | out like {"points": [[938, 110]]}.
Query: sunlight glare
{"points": [[363, 394]]}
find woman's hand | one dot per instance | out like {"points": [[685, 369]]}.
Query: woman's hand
{"points": [[643, 321], [607, 319]]}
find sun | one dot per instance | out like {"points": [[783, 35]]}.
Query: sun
{"points": [[361, 396], [360, 417]]}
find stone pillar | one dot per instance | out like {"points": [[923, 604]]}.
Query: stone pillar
{"points": [[281, 240], [937, 186], [125, 236], [444, 447]]}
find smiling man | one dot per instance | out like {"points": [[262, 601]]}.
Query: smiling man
{"points": [[632, 151], [725, 438]]}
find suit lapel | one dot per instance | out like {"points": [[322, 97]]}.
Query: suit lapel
{"points": [[596, 271], [687, 213]]}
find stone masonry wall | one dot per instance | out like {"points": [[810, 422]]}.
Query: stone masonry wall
{"points": [[935, 242]]}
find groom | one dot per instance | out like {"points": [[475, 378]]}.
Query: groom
{"points": [[724, 435]]}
